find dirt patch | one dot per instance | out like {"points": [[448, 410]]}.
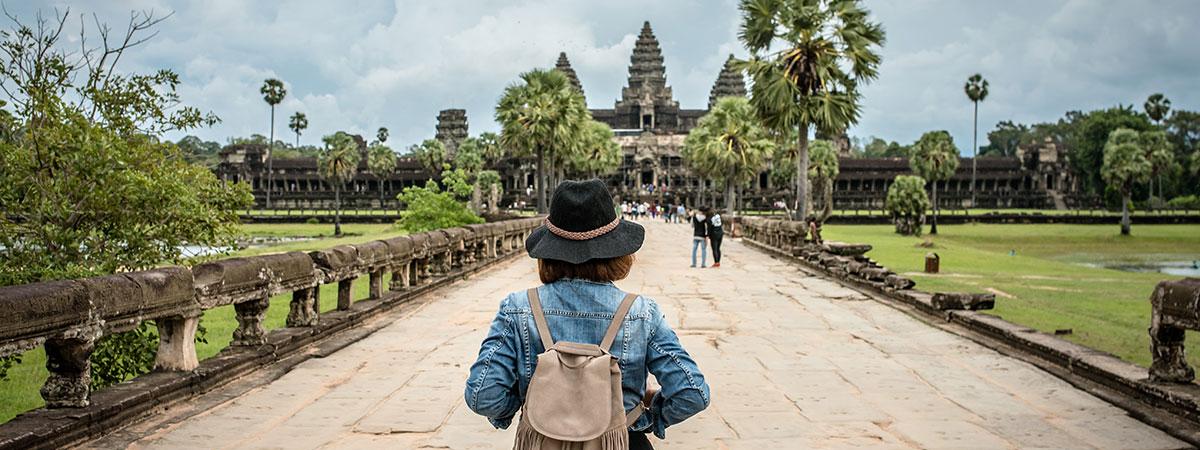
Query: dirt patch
{"points": [[1000, 293]]}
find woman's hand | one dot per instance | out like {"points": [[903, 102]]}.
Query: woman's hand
{"points": [[649, 397]]}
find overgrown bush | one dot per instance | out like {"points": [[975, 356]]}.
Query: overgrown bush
{"points": [[1185, 202], [433, 206], [907, 202]]}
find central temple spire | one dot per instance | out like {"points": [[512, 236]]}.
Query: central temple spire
{"points": [[647, 95]]}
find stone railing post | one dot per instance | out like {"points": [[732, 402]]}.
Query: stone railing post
{"points": [[306, 306], [1175, 307], [70, 366], [177, 343], [250, 314], [344, 291], [400, 277], [376, 284]]}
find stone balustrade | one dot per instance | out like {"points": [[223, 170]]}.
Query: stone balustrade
{"points": [[1175, 308], [68, 316]]}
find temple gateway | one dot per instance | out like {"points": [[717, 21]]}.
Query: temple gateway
{"points": [[650, 127]]}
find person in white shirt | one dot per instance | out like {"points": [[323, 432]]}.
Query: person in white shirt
{"points": [[715, 233]]}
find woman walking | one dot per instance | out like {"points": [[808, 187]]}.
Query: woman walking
{"points": [[715, 233], [700, 237], [540, 356]]}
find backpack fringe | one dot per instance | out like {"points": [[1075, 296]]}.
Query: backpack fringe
{"points": [[529, 439]]}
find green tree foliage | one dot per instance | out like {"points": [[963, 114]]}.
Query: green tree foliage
{"points": [[822, 171], [1005, 139], [879, 148], [298, 123], [199, 151], [431, 153], [808, 60], [907, 202], [541, 115], [1157, 106], [489, 180], [599, 154], [934, 158], [86, 186], [1159, 153], [728, 144], [1125, 163], [337, 165], [1088, 134], [273, 93], [381, 135], [381, 162], [433, 206]]}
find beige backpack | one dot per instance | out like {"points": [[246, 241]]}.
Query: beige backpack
{"points": [[574, 400]]}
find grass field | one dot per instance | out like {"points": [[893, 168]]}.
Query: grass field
{"points": [[1038, 274], [20, 392]]}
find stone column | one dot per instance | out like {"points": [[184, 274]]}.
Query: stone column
{"points": [[305, 307], [1169, 359], [376, 284], [69, 383], [399, 277], [176, 344], [250, 331], [343, 300]]}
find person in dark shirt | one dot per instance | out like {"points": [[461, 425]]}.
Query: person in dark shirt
{"points": [[715, 233]]}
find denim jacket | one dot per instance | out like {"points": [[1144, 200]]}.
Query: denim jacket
{"points": [[580, 311]]}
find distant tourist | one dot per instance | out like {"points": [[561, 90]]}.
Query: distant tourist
{"points": [[642, 210], [681, 213], [715, 233], [581, 250], [700, 237]]}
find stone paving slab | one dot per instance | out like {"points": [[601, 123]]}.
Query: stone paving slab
{"points": [[793, 361]]}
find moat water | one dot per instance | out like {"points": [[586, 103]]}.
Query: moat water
{"points": [[1177, 268]]}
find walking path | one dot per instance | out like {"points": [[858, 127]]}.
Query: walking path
{"points": [[793, 361]]}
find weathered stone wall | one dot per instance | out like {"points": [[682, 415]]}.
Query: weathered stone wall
{"points": [[67, 317]]}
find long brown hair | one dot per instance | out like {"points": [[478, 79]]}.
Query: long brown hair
{"points": [[599, 270]]}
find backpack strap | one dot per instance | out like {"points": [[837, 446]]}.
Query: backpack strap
{"points": [[618, 317], [539, 319]]}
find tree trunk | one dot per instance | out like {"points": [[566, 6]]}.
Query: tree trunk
{"points": [[1125, 199], [803, 202], [974, 152], [476, 199], [271, 158], [541, 180], [337, 211], [933, 225]]}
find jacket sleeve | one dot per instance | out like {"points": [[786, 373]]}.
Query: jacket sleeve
{"points": [[684, 391], [492, 389]]}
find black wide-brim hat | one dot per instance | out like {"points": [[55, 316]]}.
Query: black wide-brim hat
{"points": [[583, 225]]}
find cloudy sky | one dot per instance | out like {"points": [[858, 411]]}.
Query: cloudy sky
{"points": [[357, 65]]}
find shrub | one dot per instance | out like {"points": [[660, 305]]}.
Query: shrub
{"points": [[430, 207], [312, 221], [906, 202], [1184, 202]]}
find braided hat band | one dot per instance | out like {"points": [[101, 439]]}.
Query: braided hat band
{"points": [[582, 235]]}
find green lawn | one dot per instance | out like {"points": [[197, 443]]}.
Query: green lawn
{"points": [[20, 392], [1037, 274]]}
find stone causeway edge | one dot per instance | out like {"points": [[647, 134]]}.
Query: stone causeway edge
{"points": [[1171, 407], [132, 401]]}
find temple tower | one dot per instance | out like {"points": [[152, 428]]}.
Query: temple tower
{"points": [[451, 128], [564, 66], [730, 83], [647, 97]]}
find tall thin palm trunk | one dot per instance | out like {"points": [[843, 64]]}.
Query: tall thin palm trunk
{"points": [[541, 180], [974, 152], [933, 225], [270, 159], [803, 204], [1126, 197], [337, 208]]}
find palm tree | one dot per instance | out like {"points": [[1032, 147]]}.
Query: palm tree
{"points": [[273, 93], [431, 153], [1125, 164], [977, 90], [935, 159], [822, 171], [381, 135], [541, 115], [1157, 106], [298, 123], [827, 50], [730, 144], [337, 164], [599, 154], [381, 162]]}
